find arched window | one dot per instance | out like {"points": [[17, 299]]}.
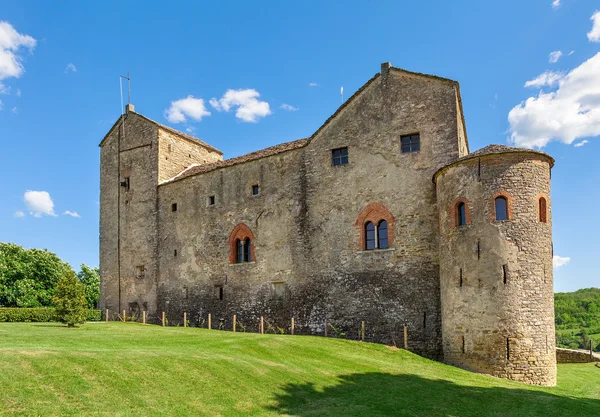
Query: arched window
{"points": [[461, 214], [247, 254], [543, 217], [370, 236], [501, 205], [241, 245], [382, 235]]}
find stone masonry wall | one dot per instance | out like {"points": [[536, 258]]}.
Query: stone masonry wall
{"points": [[304, 220], [496, 276], [575, 356], [176, 153]]}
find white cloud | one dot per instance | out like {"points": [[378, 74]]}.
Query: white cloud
{"points": [[287, 107], [556, 4], [313, 84], [14, 110], [571, 53], [548, 78], [554, 56], [569, 113], [4, 89], [19, 214], [594, 34], [580, 144], [249, 108], [39, 203], [558, 261], [72, 213], [1, 105], [71, 67], [11, 43], [181, 109]]}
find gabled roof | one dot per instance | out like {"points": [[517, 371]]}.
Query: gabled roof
{"points": [[167, 128], [263, 153]]}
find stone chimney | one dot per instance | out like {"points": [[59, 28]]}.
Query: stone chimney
{"points": [[130, 108], [385, 69]]}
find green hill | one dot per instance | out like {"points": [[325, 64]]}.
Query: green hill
{"points": [[577, 317], [126, 369]]}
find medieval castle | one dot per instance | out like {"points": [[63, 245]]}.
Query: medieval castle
{"points": [[382, 215]]}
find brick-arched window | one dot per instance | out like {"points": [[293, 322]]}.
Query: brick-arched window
{"points": [[501, 207], [376, 227], [241, 245], [459, 212], [542, 210]]}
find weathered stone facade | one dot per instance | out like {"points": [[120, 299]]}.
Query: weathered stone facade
{"points": [[185, 210]]}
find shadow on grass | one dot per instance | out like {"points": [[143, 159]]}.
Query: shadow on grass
{"points": [[378, 394]]}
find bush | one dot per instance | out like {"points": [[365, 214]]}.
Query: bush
{"points": [[39, 315], [70, 300]]}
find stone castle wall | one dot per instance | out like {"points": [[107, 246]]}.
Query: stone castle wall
{"points": [[496, 276]]}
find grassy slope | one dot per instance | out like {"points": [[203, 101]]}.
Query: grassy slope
{"points": [[130, 369]]}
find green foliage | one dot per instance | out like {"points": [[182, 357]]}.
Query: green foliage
{"points": [[70, 300], [28, 277], [579, 309], [90, 278], [42, 314]]}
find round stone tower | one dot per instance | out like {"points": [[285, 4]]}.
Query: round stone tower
{"points": [[496, 284]]}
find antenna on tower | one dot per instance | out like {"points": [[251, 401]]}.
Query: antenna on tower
{"points": [[128, 78]]}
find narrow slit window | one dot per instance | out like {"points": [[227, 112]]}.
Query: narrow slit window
{"points": [[219, 292], [460, 278], [175, 252], [462, 342], [174, 207], [382, 235], [461, 214], [255, 189], [410, 143], [501, 205], [507, 349], [211, 200], [542, 210], [339, 156], [370, 240], [505, 274], [478, 249], [424, 319]]}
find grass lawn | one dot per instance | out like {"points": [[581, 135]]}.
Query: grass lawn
{"points": [[126, 369]]}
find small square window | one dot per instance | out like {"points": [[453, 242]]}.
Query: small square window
{"points": [[174, 207], [140, 271], [211, 200], [339, 156], [410, 143], [255, 190], [278, 289]]}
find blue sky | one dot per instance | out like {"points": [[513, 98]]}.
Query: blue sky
{"points": [[59, 87]]}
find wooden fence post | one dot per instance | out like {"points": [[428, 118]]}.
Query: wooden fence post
{"points": [[362, 331], [184, 319], [262, 325], [234, 322], [405, 337], [209, 321], [292, 325], [163, 319], [124, 317], [106, 317], [144, 317], [591, 352]]}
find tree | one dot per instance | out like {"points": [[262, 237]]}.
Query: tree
{"points": [[70, 300], [90, 278], [28, 276]]}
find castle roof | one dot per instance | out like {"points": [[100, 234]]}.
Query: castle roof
{"points": [[495, 149], [273, 150]]}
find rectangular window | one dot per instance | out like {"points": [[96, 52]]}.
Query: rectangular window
{"points": [[339, 156], [255, 189], [219, 292], [140, 271], [175, 252], [278, 288], [211, 200], [174, 207], [410, 143]]}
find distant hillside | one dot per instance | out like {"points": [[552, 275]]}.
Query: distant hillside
{"points": [[577, 316]]}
